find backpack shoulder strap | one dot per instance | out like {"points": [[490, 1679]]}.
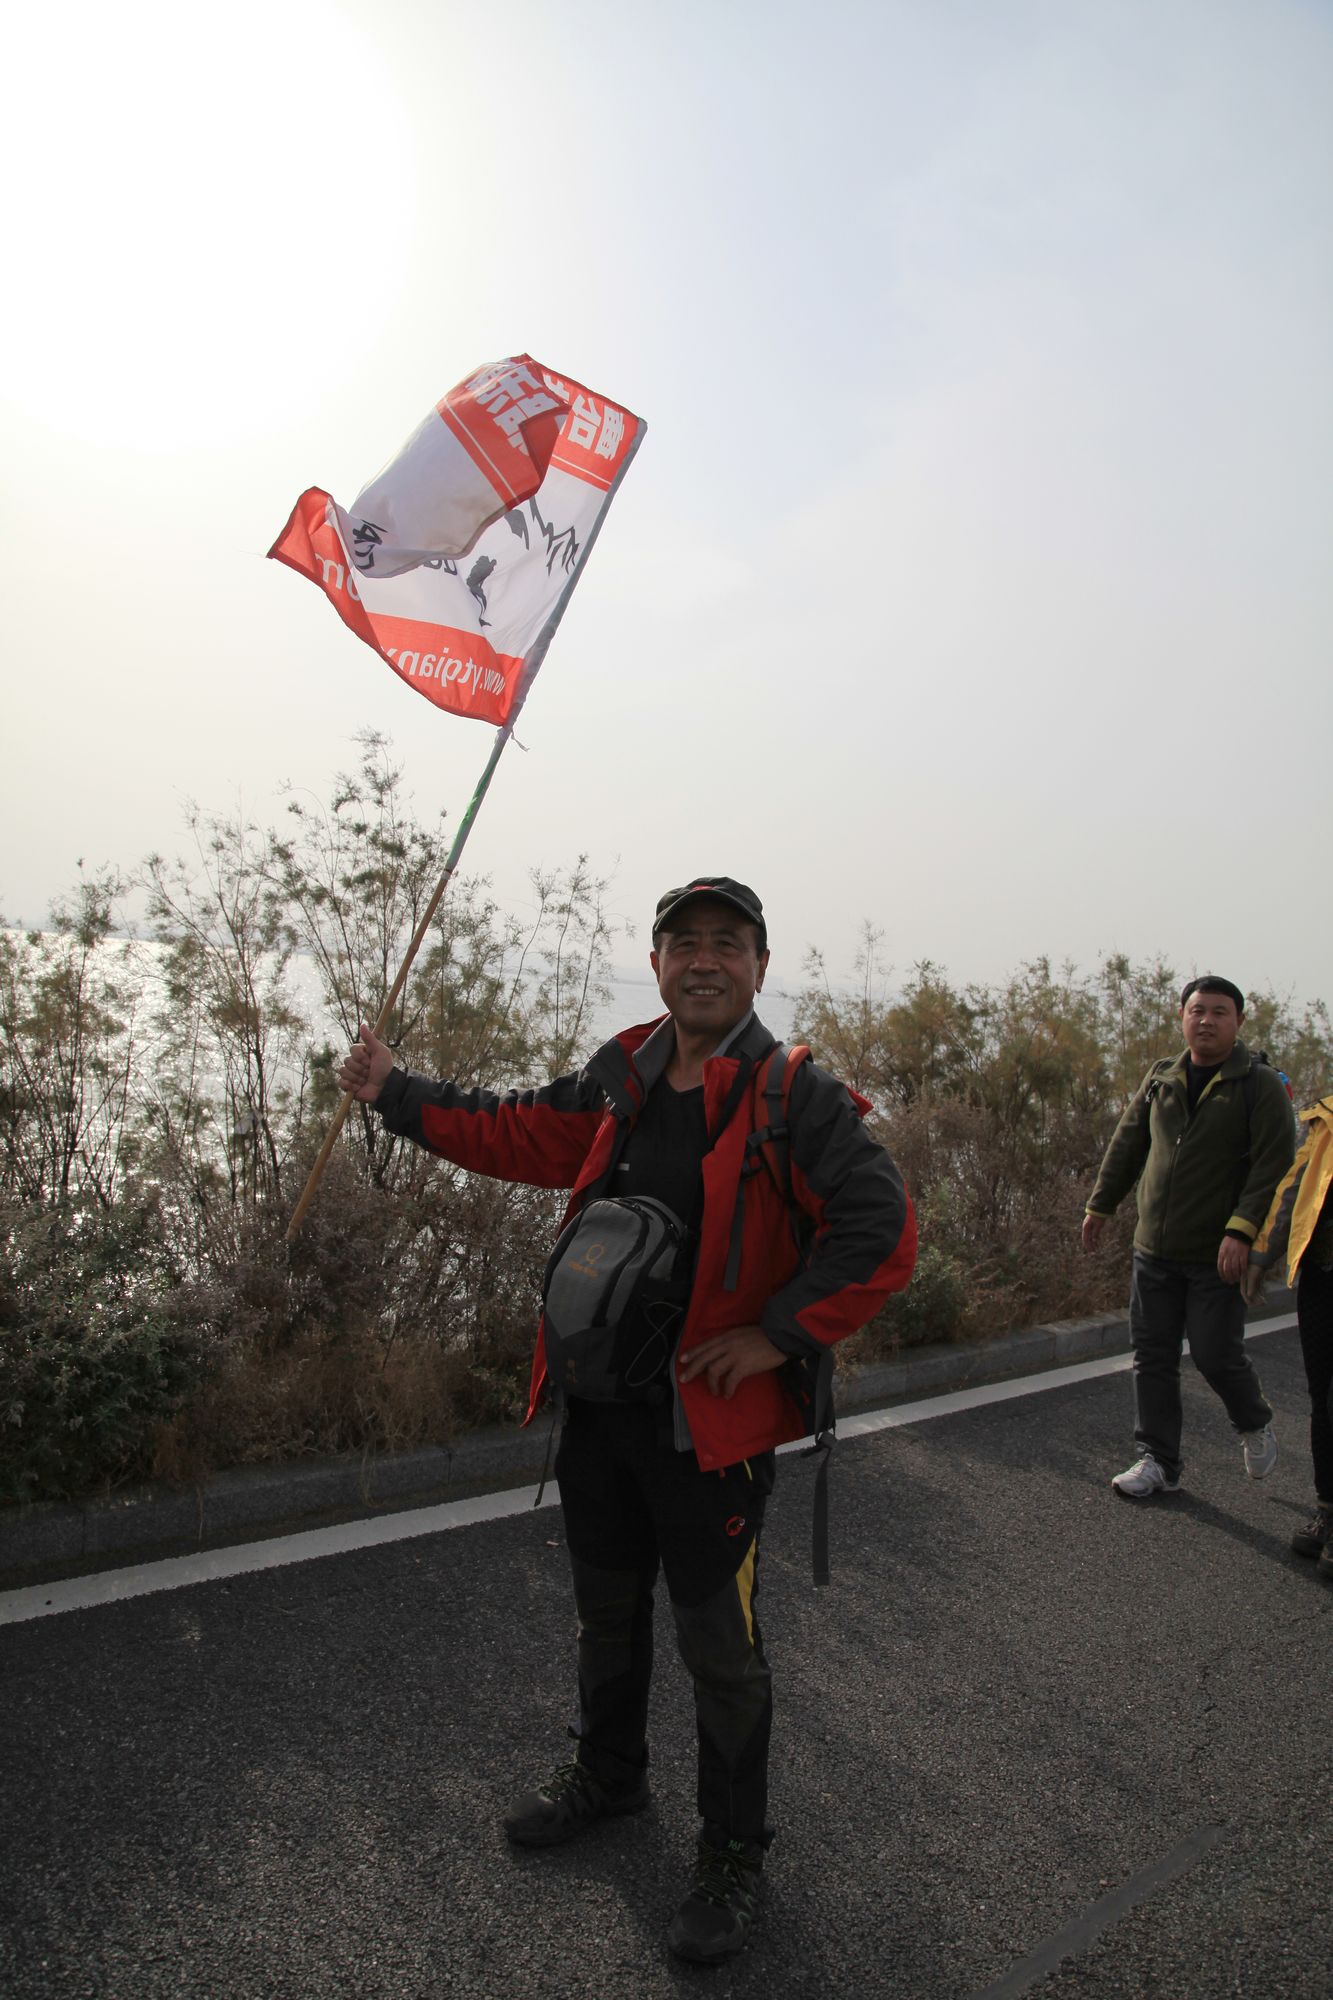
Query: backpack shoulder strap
{"points": [[773, 1138], [772, 1142], [1249, 1085], [767, 1146], [1156, 1077], [1249, 1089]]}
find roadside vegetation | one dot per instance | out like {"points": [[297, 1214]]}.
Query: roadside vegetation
{"points": [[162, 1099], [997, 1102]]}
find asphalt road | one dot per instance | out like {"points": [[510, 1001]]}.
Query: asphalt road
{"points": [[1027, 1720]]}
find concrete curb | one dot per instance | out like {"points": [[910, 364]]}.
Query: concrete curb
{"points": [[254, 1501]]}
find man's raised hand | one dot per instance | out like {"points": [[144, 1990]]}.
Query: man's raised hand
{"points": [[366, 1069]]}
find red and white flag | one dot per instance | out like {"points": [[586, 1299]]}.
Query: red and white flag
{"points": [[457, 560]]}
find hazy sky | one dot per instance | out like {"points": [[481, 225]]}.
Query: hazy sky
{"points": [[973, 578]]}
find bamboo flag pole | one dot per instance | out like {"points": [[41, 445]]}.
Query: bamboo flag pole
{"points": [[391, 998]]}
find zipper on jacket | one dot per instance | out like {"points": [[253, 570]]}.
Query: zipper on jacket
{"points": [[1180, 1139], [1171, 1173]]}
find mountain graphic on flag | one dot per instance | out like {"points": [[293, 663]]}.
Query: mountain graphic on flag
{"points": [[455, 562]]}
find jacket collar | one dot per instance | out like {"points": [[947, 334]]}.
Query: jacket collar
{"points": [[1236, 1064], [630, 1064], [748, 1041]]}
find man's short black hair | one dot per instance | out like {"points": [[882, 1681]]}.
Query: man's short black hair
{"points": [[1212, 982]]}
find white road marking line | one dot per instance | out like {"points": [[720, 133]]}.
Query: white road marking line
{"points": [[1001, 1392], [84, 1593], [45, 1600]]}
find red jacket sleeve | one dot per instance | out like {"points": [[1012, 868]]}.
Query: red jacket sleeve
{"points": [[538, 1136]]}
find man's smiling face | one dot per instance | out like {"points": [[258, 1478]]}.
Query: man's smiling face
{"points": [[709, 967], [1210, 1023]]}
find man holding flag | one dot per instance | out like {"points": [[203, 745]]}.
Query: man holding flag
{"points": [[729, 1216], [729, 1220]]}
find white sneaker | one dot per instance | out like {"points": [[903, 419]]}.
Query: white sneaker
{"points": [[1145, 1476], [1260, 1451]]}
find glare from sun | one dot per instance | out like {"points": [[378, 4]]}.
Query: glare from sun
{"points": [[203, 201]]}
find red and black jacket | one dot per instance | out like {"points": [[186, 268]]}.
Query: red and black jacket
{"points": [[862, 1235]]}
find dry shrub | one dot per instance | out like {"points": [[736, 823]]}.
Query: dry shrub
{"points": [[997, 1102], [318, 1396], [152, 1315], [1000, 1233], [398, 1318]]}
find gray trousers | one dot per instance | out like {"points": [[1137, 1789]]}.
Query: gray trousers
{"points": [[1171, 1302]]}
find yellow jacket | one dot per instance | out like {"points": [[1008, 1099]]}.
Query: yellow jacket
{"points": [[1300, 1197]]}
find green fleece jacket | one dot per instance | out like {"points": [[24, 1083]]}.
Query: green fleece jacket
{"points": [[1199, 1176]]}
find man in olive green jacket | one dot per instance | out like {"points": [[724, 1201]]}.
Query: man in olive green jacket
{"points": [[1207, 1137]]}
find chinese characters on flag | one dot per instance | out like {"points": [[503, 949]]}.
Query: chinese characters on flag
{"points": [[456, 561]]}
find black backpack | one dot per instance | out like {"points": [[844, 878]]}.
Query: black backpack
{"points": [[616, 1287]]}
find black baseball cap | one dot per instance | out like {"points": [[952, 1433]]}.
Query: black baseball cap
{"points": [[721, 889]]}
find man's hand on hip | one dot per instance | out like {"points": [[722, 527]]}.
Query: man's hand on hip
{"points": [[729, 1357], [366, 1069], [1233, 1260]]}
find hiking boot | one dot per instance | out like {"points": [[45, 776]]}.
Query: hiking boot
{"points": [[1260, 1452], [1325, 1563], [720, 1911], [1145, 1476], [1314, 1537], [570, 1800]]}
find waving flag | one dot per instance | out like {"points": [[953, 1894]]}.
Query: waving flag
{"points": [[456, 562]]}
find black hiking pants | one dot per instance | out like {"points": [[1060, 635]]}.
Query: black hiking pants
{"points": [[1169, 1303], [1314, 1316], [633, 1504]]}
